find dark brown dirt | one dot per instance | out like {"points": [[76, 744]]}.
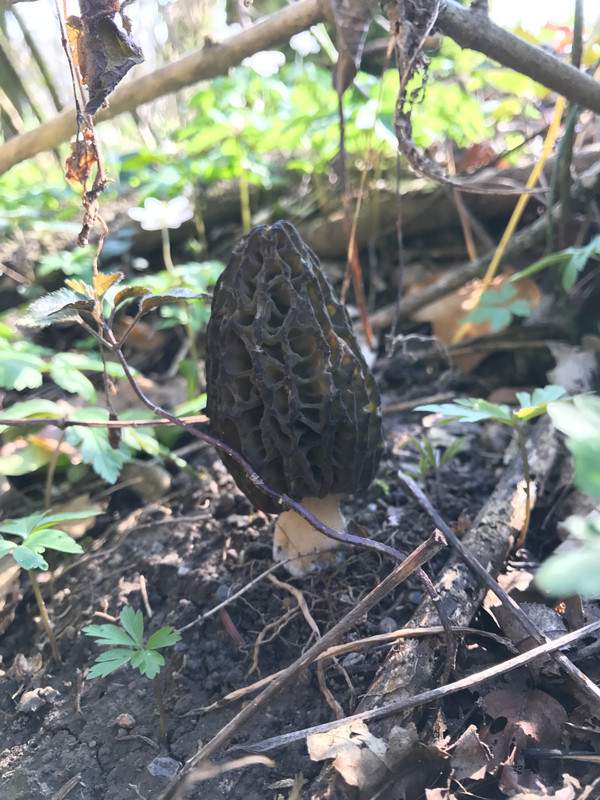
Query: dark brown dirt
{"points": [[189, 567]]}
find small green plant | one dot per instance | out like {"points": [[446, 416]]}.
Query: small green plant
{"points": [[578, 570], [35, 534], [69, 262], [130, 649], [476, 410], [433, 458], [570, 263], [498, 307]]}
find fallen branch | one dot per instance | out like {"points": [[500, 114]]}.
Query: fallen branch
{"points": [[413, 665], [469, 29], [525, 240]]}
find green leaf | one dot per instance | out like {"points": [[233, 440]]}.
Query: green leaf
{"points": [[60, 306], [70, 378], [6, 546], [148, 662], [52, 539], [574, 572], [110, 661], [47, 519], [20, 371], [165, 637], [133, 622], [30, 408], [94, 445], [586, 461], [579, 419], [109, 634], [28, 559], [470, 410], [22, 526]]}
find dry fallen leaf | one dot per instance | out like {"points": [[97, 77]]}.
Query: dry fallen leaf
{"points": [[446, 314], [521, 719]]}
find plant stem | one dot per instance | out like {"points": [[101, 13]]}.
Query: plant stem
{"points": [[44, 614], [166, 248], [527, 476], [161, 708], [166, 251], [245, 199]]}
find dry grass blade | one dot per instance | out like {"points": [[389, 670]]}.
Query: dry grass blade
{"points": [[208, 770]]}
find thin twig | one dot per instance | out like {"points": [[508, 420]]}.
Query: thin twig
{"points": [[427, 697], [591, 690], [415, 560]]}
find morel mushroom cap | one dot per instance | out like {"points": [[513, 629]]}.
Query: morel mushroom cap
{"points": [[287, 385]]}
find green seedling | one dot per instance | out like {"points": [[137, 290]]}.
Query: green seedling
{"points": [[433, 458], [38, 533], [578, 570], [570, 263], [130, 649], [475, 410]]}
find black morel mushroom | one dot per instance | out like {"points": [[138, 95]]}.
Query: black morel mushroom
{"points": [[289, 389]]}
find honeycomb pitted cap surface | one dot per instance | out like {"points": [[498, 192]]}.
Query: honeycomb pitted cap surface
{"points": [[287, 385]]}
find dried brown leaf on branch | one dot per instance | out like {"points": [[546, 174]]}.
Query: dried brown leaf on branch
{"points": [[352, 20], [103, 51]]}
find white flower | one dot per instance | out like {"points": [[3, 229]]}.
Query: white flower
{"points": [[265, 63], [157, 215], [304, 43]]}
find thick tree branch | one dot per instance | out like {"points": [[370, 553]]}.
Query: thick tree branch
{"points": [[201, 64], [471, 29]]}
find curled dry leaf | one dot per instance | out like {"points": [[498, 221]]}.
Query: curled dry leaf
{"points": [[103, 52]]}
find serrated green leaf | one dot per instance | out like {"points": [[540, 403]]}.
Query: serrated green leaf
{"points": [[30, 408], [58, 306], [71, 379], [148, 662], [109, 634], [133, 622], [28, 559], [94, 446], [165, 637], [110, 661], [20, 371]]}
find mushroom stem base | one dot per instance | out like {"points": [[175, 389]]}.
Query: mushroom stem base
{"points": [[296, 538]]}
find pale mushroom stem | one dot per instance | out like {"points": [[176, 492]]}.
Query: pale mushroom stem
{"points": [[296, 538]]}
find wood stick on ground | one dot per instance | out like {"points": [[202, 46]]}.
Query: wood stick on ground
{"points": [[433, 694], [413, 562], [413, 666]]}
